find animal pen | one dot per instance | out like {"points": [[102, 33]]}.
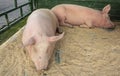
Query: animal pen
{"points": [[82, 51]]}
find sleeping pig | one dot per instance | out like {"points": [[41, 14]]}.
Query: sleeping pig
{"points": [[69, 15], [39, 37]]}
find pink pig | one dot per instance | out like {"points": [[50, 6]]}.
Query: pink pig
{"points": [[39, 36], [69, 14]]}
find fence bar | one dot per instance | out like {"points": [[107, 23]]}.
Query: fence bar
{"points": [[9, 24], [35, 4], [14, 9], [21, 12], [31, 5], [7, 20], [15, 1]]}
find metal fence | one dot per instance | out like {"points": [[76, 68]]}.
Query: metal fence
{"points": [[22, 15], [97, 4]]}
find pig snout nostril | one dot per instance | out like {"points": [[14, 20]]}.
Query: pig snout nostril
{"points": [[111, 28], [45, 68], [39, 57]]}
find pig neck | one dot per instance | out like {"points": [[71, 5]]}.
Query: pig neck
{"points": [[99, 21], [102, 22], [43, 37]]}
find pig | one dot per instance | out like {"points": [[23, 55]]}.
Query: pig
{"points": [[70, 15], [39, 37]]}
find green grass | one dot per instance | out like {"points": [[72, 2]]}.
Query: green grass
{"points": [[12, 30]]}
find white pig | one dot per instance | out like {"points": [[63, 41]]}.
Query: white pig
{"points": [[39, 37], [69, 15]]}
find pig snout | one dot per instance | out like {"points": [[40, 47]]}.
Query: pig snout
{"points": [[111, 28], [40, 66]]}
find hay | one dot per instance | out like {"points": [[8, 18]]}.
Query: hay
{"points": [[83, 52]]}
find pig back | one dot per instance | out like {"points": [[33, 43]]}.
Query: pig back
{"points": [[43, 20]]}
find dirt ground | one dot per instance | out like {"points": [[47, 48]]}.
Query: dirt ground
{"points": [[83, 52]]}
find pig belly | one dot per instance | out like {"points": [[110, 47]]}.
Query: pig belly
{"points": [[74, 19]]}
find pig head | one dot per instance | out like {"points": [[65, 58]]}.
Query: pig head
{"points": [[39, 37], [70, 15]]}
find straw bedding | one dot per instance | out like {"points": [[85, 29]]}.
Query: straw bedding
{"points": [[83, 52]]}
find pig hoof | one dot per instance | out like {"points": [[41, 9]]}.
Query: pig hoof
{"points": [[58, 30], [70, 26], [90, 27]]}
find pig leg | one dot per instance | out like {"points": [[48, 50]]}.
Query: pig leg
{"points": [[62, 22], [59, 30], [63, 18], [84, 26], [69, 25], [89, 24]]}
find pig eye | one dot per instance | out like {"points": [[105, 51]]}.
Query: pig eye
{"points": [[39, 57]]}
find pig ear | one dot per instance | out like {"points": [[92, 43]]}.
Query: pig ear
{"points": [[31, 41], [55, 38], [106, 9]]}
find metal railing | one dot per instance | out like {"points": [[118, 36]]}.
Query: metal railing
{"points": [[97, 4], [50, 3], [16, 7]]}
